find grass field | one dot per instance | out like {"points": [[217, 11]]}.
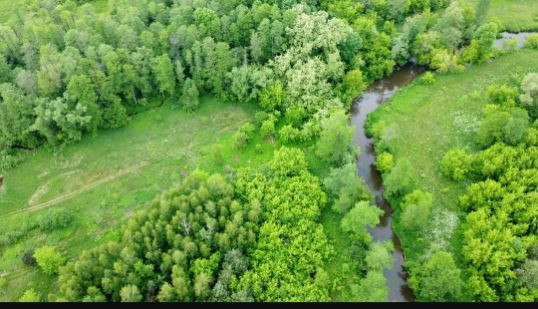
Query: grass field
{"points": [[514, 15], [103, 180], [422, 122]]}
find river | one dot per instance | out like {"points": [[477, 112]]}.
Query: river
{"points": [[372, 98]]}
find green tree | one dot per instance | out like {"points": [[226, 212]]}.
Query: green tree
{"points": [[529, 98], [400, 180], [416, 210], [359, 218], [190, 95], [164, 75], [130, 293], [335, 141], [439, 279], [384, 162], [373, 288], [49, 259], [379, 256]]}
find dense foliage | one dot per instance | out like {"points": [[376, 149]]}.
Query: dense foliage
{"points": [[188, 245], [500, 232], [67, 71]]}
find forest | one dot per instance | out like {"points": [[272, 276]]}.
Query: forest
{"points": [[268, 150]]}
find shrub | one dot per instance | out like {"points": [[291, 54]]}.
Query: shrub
{"points": [[384, 162], [503, 95], [216, 154], [456, 164], [268, 127], [244, 134], [55, 219], [427, 78], [531, 42], [259, 117], [289, 134], [30, 296], [28, 258], [416, 210], [48, 259]]}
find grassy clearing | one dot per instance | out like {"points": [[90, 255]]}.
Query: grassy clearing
{"points": [[422, 122], [514, 15], [103, 180]]}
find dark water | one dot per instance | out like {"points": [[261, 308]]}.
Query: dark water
{"points": [[521, 37], [376, 94]]}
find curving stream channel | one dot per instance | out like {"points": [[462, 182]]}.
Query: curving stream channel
{"points": [[373, 97]]}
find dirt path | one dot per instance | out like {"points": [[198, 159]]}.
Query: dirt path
{"points": [[85, 188], [109, 178]]}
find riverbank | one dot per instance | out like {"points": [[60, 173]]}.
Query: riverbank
{"points": [[422, 122], [373, 97]]}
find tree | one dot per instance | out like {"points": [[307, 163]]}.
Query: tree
{"points": [[272, 97], [400, 180], [164, 75], [16, 118], [439, 279], [529, 274], [379, 256], [335, 141], [529, 98], [456, 164], [358, 218], [351, 87], [397, 9], [130, 293], [507, 125], [416, 210], [373, 288], [346, 187], [80, 92], [485, 36], [30, 296], [384, 162], [48, 259], [189, 95]]}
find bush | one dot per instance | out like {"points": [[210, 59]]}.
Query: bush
{"points": [[259, 117], [268, 127], [216, 154], [244, 135], [416, 210], [456, 164], [48, 259], [427, 78], [28, 258], [400, 179], [502, 95], [384, 162], [30, 296], [55, 219], [510, 44], [289, 134], [531, 42]]}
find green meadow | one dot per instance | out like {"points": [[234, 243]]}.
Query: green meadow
{"points": [[514, 15], [103, 180]]}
